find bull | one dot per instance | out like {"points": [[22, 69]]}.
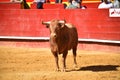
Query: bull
{"points": [[63, 37]]}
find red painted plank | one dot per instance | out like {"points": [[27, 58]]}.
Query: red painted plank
{"points": [[91, 5], [10, 5], [90, 23], [48, 6], [4, 0]]}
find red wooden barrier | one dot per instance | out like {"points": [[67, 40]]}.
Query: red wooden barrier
{"points": [[67, 0], [4, 0], [91, 23], [91, 5], [61, 6], [48, 6], [10, 5]]}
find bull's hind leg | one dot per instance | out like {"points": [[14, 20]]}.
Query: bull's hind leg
{"points": [[74, 57]]}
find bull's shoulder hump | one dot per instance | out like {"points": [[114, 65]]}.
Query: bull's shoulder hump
{"points": [[69, 25]]}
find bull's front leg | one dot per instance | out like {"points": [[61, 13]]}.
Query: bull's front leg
{"points": [[56, 61], [64, 60]]}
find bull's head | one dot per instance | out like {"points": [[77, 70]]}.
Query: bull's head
{"points": [[54, 26], [53, 22]]}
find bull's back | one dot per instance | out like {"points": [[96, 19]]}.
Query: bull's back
{"points": [[73, 36]]}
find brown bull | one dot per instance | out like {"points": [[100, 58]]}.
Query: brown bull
{"points": [[63, 37]]}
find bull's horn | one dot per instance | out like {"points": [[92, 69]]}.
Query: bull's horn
{"points": [[46, 23], [62, 21]]}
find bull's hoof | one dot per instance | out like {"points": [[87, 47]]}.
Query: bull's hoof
{"points": [[75, 66], [57, 70], [63, 70]]}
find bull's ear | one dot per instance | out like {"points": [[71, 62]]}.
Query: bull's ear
{"points": [[46, 23]]}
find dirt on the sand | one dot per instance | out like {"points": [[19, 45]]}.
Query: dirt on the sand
{"points": [[39, 64]]}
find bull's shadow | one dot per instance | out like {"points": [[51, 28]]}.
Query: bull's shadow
{"points": [[98, 68]]}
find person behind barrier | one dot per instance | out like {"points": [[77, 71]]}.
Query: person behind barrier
{"points": [[73, 4], [81, 6], [24, 4], [58, 1], [116, 4], [39, 3], [105, 4]]}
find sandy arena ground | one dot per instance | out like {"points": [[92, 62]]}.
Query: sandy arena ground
{"points": [[39, 64]]}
